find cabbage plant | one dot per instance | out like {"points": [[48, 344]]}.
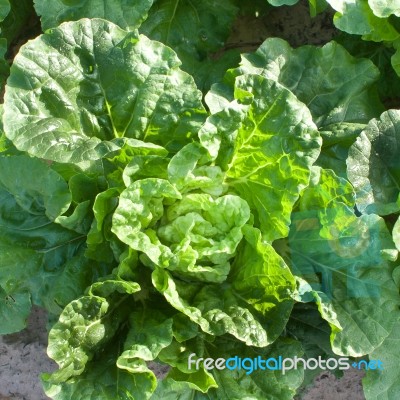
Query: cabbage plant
{"points": [[166, 203]]}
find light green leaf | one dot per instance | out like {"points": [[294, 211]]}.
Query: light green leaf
{"points": [[335, 86], [271, 144], [261, 279], [207, 311], [127, 14], [187, 173], [133, 160], [193, 235], [373, 166], [385, 8], [150, 332], [396, 234], [72, 117], [246, 306], [99, 239], [356, 17], [102, 379], [85, 326]]}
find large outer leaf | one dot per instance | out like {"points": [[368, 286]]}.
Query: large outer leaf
{"points": [[193, 29], [35, 252], [97, 82], [385, 385], [335, 86], [336, 141], [380, 54], [14, 311], [48, 194], [127, 14], [373, 166], [267, 149], [345, 258]]}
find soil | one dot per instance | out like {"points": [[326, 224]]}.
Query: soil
{"points": [[23, 355]]}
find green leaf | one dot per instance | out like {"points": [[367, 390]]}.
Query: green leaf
{"points": [[14, 16], [317, 7], [85, 326], [87, 341], [266, 145], [385, 8], [48, 194], [4, 66], [35, 252], [356, 17], [396, 234], [14, 311], [336, 141], [308, 327], [192, 29], [150, 332], [383, 55], [193, 235], [5, 8], [100, 238], [133, 160], [246, 306], [102, 379], [212, 69], [335, 86], [384, 384], [188, 170], [72, 117], [235, 384], [277, 3], [346, 259], [373, 166], [127, 14], [16, 19], [207, 311]]}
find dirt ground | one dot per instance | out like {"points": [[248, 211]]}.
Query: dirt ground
{"points": [[23, 355]]}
